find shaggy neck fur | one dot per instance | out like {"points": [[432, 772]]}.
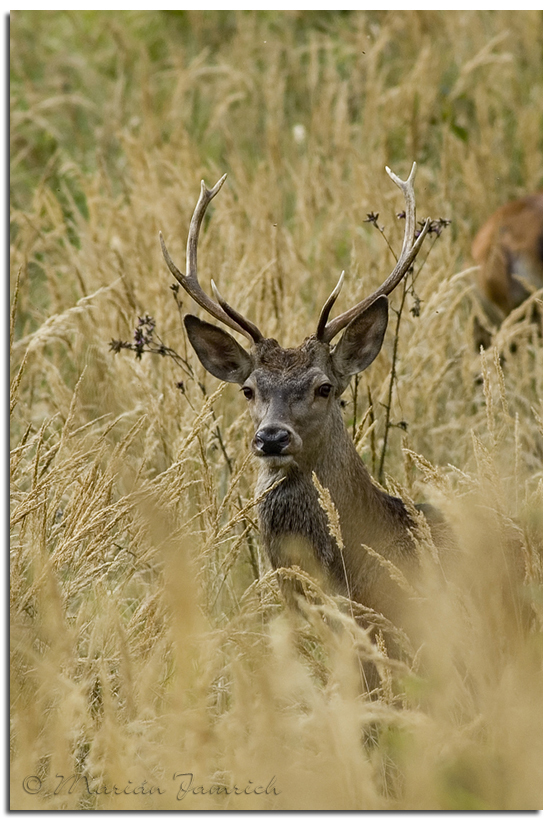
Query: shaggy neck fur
{"points": [[295, 527]]}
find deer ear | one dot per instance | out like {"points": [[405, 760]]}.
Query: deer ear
{"points": [[219, 353], [362, 339]]}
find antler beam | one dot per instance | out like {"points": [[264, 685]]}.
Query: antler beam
{"points": [[218, 309], [410, 248]]}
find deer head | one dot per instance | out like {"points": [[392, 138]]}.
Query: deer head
{"points": [[293, 393]]}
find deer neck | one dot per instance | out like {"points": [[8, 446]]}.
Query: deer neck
{"points": [[367, 515]]}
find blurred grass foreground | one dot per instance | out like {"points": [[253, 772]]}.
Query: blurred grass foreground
{"points": [[154, 664]]}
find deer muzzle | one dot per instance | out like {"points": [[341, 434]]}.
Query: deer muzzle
{"points": [[275, 440]]}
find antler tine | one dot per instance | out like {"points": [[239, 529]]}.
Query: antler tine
{"points": [[219, 310], [409, 251], [233, 314], [328, 305]]}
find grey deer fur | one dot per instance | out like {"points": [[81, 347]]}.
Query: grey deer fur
{"points": [[294, 397]]}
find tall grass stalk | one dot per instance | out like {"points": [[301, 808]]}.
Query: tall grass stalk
{"points": [[151, 649]]}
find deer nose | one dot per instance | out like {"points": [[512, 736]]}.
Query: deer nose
{"points": [[272, 441]]}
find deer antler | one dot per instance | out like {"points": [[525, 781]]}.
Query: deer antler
{"points": [[326, 332], [218, 309]]}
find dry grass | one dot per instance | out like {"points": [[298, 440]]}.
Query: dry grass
{"points": [[149, 639]]}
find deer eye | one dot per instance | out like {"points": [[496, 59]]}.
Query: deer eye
{"points": [[324, 390], [248, 393]]}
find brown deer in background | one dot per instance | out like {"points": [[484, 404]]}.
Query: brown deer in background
{"points": [[508, 249], [294, 397]]}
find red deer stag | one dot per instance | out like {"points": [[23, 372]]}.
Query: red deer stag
{"points": [[508, 249], [294, 397]]}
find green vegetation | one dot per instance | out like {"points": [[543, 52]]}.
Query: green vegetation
{"points": [[149, 638]]}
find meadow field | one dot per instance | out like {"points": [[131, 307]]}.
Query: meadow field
{"points": [[154, 664]]}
